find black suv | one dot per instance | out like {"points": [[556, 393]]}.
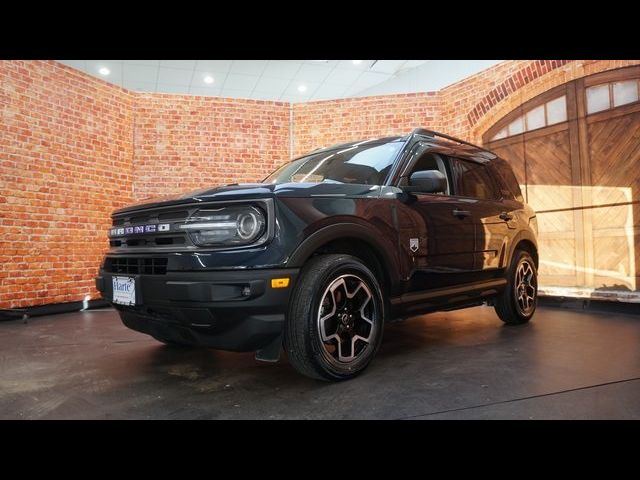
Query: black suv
{"points": [[325, 250]]}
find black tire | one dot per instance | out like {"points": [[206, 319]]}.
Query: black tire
{"points": [[171, 343], [510, 305], [332, 284]]}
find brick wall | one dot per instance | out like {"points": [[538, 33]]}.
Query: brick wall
{"points": [[465, 109], [318, 124], [65, 164], [183, 142], [73, 148]]}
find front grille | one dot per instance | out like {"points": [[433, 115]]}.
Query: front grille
{"points": [[136, 265], [139, 219], [148, 242], [177, 215], [174, 216], [156, 230], [168, 238]]}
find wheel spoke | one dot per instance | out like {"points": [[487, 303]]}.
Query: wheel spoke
{"points": [[324, 318], [351, 295], [338, 283], [355, 339], [361, 310], [348, 307], [341, 357]]}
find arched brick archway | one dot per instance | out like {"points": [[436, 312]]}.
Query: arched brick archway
{"points": [[510, 93], [510, 85]]}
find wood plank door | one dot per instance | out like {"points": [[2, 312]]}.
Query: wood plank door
{"points": [[546, 164], [610, 148], [580, 169]]}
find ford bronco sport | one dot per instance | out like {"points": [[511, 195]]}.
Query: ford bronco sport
{"points": [[325, 250]]}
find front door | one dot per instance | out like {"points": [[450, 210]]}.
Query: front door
{"points": [[435, 230]]}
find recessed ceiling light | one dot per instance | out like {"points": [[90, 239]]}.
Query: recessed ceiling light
{"points": [[104, 71], [356, 62], [208, 79], [302, 88]]}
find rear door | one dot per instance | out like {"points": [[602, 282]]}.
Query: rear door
{"points": [[491, 214]]}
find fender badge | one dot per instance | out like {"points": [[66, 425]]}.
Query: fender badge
{"points": [[414, 243]]}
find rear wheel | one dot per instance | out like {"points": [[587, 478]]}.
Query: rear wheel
{"points": [[335, 320], [517, 304]]}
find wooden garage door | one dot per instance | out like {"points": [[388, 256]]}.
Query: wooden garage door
{"points": [[576, 152]]}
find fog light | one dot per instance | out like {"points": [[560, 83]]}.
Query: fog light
{"points": [[280, 282]]}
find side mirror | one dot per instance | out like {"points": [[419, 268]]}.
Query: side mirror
{"points": [[427, 181]]}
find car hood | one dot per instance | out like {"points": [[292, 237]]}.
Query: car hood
{"points": [[241, 191]]}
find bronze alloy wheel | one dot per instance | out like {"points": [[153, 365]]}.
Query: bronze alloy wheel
{"points": [[335, 319], [525, 287], [347, 320]]}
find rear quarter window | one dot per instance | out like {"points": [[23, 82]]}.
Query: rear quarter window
{"points": [[474, 180], [507, 179]]}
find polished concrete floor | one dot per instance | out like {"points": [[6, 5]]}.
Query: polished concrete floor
{"points": [[565, 364]]}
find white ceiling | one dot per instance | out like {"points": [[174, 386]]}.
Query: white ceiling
{"points": [[269, 79]]}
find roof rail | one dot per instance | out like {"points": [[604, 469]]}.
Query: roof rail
{"points": [[431, 133]]}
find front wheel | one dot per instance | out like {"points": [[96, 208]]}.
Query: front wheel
{"points": [[335, 320], [517, 303], [171, 343]]}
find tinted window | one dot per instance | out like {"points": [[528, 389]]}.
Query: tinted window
{"points": [[429, 161], [508, 180], [367, 164], [473, 180]]}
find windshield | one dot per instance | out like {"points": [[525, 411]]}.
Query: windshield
{"points": [[365, 163]]}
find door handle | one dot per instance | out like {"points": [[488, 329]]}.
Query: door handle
{"points": [[506, 216], [461, 213]]}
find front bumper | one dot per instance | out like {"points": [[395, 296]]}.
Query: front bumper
{"points": [[229, 310]]}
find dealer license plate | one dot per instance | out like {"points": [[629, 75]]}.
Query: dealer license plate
{"points": [[124, 290]]}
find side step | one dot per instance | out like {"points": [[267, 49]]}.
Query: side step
{"points": [[450, 295]]}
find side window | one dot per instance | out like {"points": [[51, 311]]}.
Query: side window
{"points": [[473, 180], [508, 179], [430, 161]]}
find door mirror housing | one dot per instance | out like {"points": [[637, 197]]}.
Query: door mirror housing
{"points": [[427, 181]]}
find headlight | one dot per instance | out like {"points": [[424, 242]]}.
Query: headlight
{"points": [[226, 226]]}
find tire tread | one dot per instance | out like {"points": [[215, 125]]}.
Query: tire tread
{"points": [[504, 304], [297, 335]]}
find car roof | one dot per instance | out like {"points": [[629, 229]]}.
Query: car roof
{"points": [[462, 148], [339, 146]]}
